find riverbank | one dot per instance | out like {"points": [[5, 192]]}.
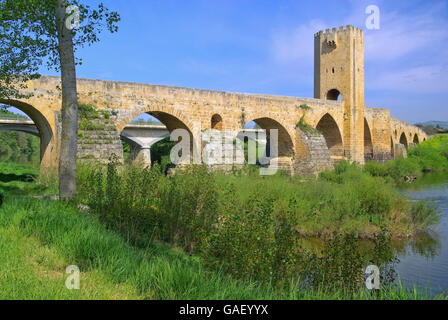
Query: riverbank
{"points": [[429, 156], [39, 239], [242, 227]]}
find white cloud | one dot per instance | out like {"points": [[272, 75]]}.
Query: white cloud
{"points": [[423, 79], [403, 33], [408, 53]]}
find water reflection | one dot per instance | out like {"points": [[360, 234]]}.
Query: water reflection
{"points": [[424, 259], [426, 244]]}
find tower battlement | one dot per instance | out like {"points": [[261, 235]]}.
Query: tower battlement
{"points": [[340, 30]]}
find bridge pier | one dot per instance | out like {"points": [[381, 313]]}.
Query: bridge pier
{"points": [[143, 155]]}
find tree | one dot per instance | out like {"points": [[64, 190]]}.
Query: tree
{"points": [[34, 31]]}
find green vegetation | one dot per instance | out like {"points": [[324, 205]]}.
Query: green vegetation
{"points": [[7, 115], [40, 238], [141, 121], [429, 156], [207, 235], [434, 127], [160, 153], [91, 119], [18, 179], [251, 228], [304, 107], [18, 146], [305, 127]]}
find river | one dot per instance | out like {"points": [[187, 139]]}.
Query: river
{"points": [[424, 260]]}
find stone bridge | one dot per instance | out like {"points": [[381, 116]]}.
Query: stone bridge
{"points": [[313, 133]]}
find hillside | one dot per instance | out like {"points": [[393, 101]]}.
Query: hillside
{"points": [[442, 124]]}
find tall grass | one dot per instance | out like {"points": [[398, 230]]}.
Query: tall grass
{"points": [[19, 179], [250, 226], [39, 239], [241, 226]]}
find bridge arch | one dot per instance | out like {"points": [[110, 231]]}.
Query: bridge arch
{"points": [[368, 143], [392, 148], [332, 134], [290, 146], [46, 134], [171, 118], [285, 141], [216, 122], [416, 140], [404, 139]]}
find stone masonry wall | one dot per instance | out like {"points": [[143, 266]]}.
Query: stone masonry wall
{"points": [[98, 139]]}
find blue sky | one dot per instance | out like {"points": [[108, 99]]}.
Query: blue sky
{"points": [[266, 46]]}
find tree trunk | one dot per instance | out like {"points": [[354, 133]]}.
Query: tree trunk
{"points": [[69, 133]]}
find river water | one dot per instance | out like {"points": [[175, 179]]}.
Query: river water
{"points": [[424, 260]]}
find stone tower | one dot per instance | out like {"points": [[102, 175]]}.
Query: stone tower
{"points": [[339, 74]]}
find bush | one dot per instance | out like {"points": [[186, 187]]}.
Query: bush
{"points": [[400, 168], [125, 199], [1, 197], [429, 159], [187, 208], [375, 169], [251, 226]]}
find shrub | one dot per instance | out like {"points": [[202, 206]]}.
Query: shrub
{"points": [[400, 168], [377, 197], [331, 176], [125, 199], [375, 169], [248, 225], [187, 208], [339, 266], [252, 241], [429, 159]]}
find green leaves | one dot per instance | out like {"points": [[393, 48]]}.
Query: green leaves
{"points": [[28, 39]]}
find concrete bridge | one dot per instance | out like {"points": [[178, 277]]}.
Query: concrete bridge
{"points": [[313, 133], [26, 126]]}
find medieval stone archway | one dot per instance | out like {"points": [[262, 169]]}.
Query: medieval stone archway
{"points": [[404, 140], [332, 134], [216, 122], [368, 144], [392, 148], [416, 139], [45, 132], [142, 139], [285, 142], [334, 94]]}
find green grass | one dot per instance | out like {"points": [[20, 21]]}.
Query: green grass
{"points": [[39, 239], [19, 180], [238, 230], [17, 170], [429, 156]]}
